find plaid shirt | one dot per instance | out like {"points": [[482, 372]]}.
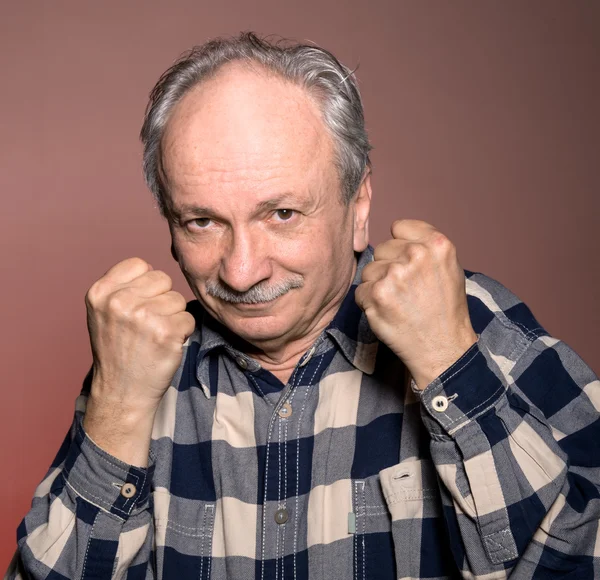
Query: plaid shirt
{"points": [[348, 471]]}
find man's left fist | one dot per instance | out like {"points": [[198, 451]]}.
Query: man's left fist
{"points": [[414, 297]]}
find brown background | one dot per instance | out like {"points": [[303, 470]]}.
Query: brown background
{"points": [[484, 116]]}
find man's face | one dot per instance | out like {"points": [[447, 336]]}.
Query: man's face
{"points": [[255, 210]]}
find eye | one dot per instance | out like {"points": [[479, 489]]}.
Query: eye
{"points": [[199, 223], [284, 215]]}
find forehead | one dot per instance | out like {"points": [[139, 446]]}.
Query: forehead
{"points": [[244, 124]]}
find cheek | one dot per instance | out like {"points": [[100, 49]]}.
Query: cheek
{"points": [[196, 263]]}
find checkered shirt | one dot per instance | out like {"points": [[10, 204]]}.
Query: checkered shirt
{"points": [[345, 472]]}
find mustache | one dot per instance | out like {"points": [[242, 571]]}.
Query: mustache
{"points": [[258, 294]]}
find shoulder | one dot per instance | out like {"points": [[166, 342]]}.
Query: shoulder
{"points": [[490, 301]]}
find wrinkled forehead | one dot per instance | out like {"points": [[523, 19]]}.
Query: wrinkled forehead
{"points": [[242, 120]]}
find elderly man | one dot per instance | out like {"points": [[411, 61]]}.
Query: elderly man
{"points": [[322, 410]]}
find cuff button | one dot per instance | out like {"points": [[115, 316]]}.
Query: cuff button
{"points": [[128, 490], [439, 403]]}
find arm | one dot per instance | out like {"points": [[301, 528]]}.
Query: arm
{"points": [[90, 514], [515, 435]]}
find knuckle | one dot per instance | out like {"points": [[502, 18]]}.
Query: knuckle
{"points": [[161, 332], [442, 244], [92, 296], [97, 291], [440, 239], [417, 252], [379, 294], [140, 313], [396, 270], [120, 302]]}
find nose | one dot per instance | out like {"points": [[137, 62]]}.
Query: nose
{"points": [[245, 262]]}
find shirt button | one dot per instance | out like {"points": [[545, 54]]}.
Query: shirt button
{"points": [[128, 490], [281, 516], [307, 357], [285, 411], [242, 362], [440, 404]]}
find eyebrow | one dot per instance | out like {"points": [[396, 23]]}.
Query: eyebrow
{"points": [[191, 209], [278, 202]]}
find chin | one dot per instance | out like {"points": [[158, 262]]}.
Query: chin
{"points": [[257, 329]]}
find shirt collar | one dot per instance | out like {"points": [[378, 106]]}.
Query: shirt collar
{"points": [[349, 330]]}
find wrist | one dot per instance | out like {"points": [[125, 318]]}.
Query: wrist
{"points": [[123, 433], [443, 360]]}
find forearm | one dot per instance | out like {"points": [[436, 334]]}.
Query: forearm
{"points": [[516, 492], [91, 509], [123, 432]]}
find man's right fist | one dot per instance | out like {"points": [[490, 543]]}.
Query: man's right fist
{"points": [[137, 327]]}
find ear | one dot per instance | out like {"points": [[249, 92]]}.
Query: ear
{"points": [[361, 210]]}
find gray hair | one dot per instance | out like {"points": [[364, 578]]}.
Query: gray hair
{"points": [[314, 68]]}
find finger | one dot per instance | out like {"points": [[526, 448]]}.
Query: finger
{"points": [[167, 304], [185, 324], [152, 283], [362, 295], [374, 271], [411, 230], [391, 250], [127, 270]]}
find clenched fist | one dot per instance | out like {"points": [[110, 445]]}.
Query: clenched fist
{"points": [[414, 297], [137, 327]]}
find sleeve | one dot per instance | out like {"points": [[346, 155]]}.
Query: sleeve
{"points": [[90, 517], [515, 439]]}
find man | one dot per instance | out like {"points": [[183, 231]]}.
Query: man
{"points": [[322, 410]]}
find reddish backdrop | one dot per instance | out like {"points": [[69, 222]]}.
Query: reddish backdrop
{"points": [[484, 116]]}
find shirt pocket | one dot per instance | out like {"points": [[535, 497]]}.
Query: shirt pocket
{"points": [[183, 536], [421, 545], [370, 524]]}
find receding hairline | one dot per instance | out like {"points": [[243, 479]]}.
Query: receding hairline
{"points": [[325, 79], [323, 136], [259, 69]]}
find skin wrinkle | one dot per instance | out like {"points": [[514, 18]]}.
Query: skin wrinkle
{"points": [[237, 146]]}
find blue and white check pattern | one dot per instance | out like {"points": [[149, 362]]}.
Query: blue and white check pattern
{"points": [[346, 472]]}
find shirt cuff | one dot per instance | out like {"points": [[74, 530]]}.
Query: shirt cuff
{"points": [[461, 393], [103, 480]]}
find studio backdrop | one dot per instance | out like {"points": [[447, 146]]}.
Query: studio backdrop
{"points": [[484, 116]]}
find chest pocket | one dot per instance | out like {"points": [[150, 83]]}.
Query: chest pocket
{"points": [[183, 536], [420, 537], [370, 522]]}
